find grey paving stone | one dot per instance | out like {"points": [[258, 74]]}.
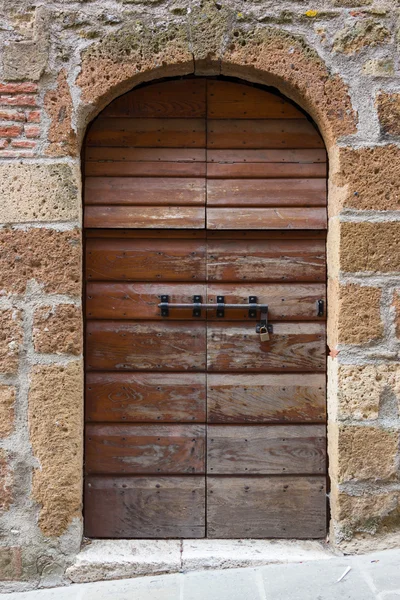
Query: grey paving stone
{"points": [[230, 584], [315, 581], [165, 587], [382, 570]]}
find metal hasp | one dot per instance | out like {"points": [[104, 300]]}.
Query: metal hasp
{"points": [[320, 308], [197, 300], [165, 308], [264, 320], [220, 306]]}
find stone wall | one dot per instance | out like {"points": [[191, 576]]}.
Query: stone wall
{"points": [[61, 62]]}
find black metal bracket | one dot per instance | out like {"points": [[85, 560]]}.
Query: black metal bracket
{"points": [[320, 308], [220, 306], [264, 320], [197, 309], [165, 309], [253, 309]]}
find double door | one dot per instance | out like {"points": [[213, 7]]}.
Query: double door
{"points": [[195, 427]]}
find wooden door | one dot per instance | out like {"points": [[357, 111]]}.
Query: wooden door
{"points": [[194, 426]]}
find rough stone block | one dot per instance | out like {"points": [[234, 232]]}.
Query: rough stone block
{"points": [[55, 417], [39, 192], [58, 329], [351, 3], [359, 319], [365, 178], [367, 453], [396, 306], [388, 106], [6, 482], [379, 67], [10, 563], [58, 105], [51, 258], [361, 388], [371, 247], [11, 338], [370, 513], [7, 400], [361, 34]]}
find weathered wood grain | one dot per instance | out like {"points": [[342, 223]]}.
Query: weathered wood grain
{"points": [[245, 170], [273, 398], [266, 218], [144, 449], [168, 217], [145, 397], [108, 156], [145, 259], [145, 507], [229, 100], [153, 191], [260, 155], [140, 300], [266, 260], [262, 133], [145, 345], [294, 347], [150, 133], [266, 449], [266, 507], [145, 169], [183, 98], [286, 302]]}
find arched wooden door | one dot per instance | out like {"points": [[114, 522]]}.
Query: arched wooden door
{"points": [[205, 192]]}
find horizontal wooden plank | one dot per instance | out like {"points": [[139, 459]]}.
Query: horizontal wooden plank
{"points": [[286, 302], [266, 507], [140, 300], [168, 217], [145, 507], [260, 155], [266, 192], [145, 397], [266, 260], [146, 169], [266, 449], [231, 100], [145, 345], [277, 234], [136, 259], [139, 449], [265, 170], [262, 133], [234, 346], [153, 191], [172, 155], [266, 218], [276, 398], [147, 133], [181, 98], [151, 234]]}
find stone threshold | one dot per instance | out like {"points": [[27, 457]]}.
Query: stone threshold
{"points": [[101, 560]]}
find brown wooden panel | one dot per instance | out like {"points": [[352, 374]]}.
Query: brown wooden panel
{"points": [[172, 155], [229, 100], [262, 133], [145, 397], [259, 155], [168, 217], [266, 507], [145, 259], [266, 218], [233, 346], [286, 302], [145, 507], [139, 449], [215, 234], [145, 345], [264, 170], [283, 398], [150, 133], [140, 300], [145, 191], [266, 260], [266, 449], [146, 169], [266, 192], [175, 98]]}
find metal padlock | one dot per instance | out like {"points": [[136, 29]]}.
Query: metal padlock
{"points": [[264, 335]]}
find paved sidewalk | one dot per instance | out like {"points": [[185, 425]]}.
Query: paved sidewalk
{"points": [[371, 577]]}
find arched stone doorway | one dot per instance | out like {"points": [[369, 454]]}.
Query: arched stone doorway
{"points": [[205, 191]]}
